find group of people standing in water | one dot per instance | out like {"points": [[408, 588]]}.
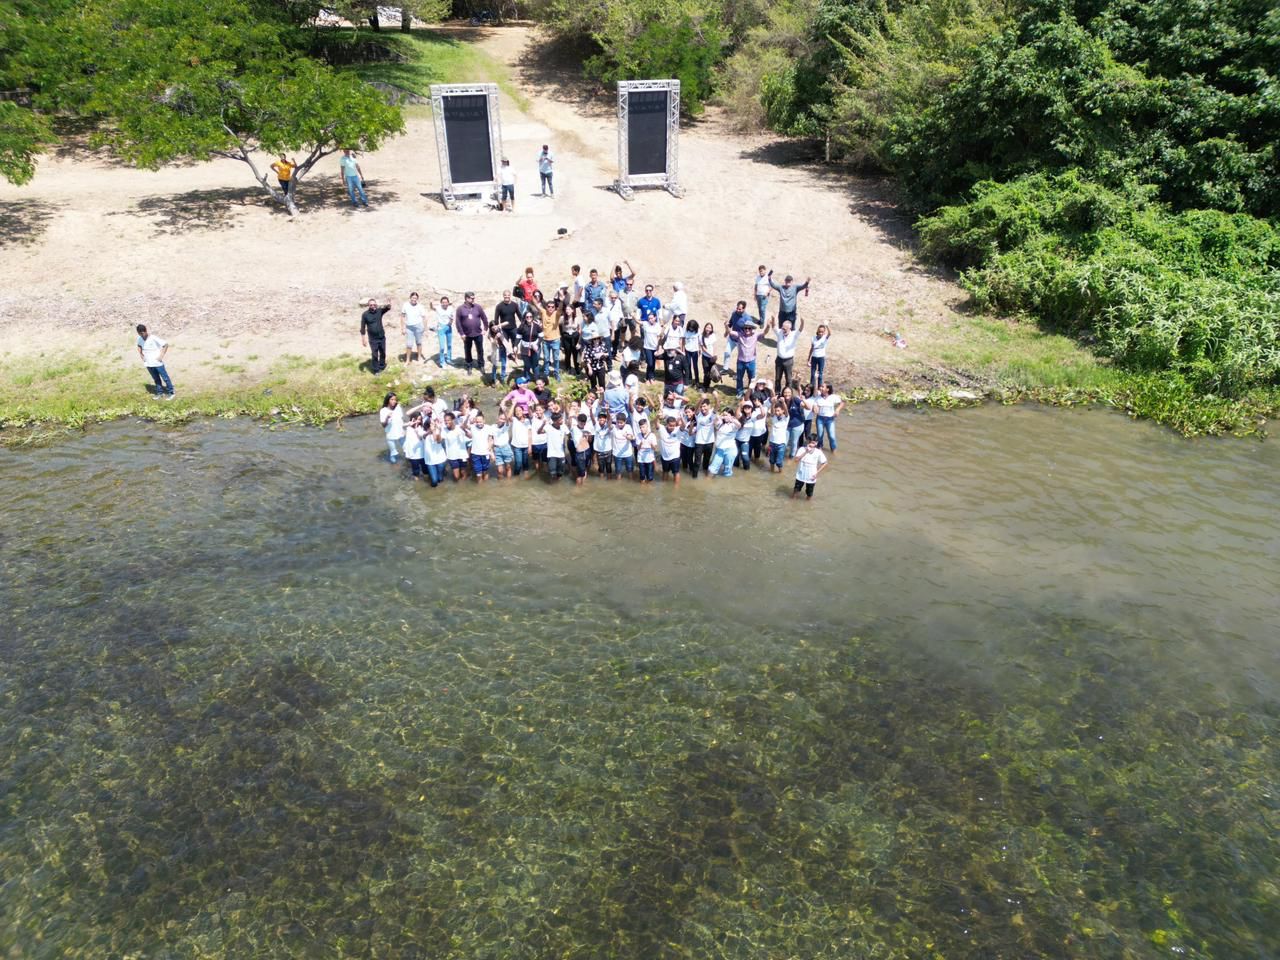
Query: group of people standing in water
{"points": [[585, 329], [612, 435]]}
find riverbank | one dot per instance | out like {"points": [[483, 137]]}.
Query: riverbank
{"points": [[262, 310], [43, 402]]}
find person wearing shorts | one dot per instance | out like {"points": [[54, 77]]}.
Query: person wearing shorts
{"points": [[624, 451], [481, 435], [580, 449], [455, 445], [810, 461], [413, 324], [503, 455]]}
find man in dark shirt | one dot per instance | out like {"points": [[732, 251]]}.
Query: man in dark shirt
{"points": [[735, 324], [470, 321], [373, 335], [506, 316]]}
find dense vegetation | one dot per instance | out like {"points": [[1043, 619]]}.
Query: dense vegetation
{"points": [[1108, 167]]}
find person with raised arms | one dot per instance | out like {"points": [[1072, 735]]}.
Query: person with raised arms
{"points": [[788, 297], [669, 449], [646, 447], [521, 441], [391, 416], [727, 426], [455, 445], [818, 353], [553, 435]]}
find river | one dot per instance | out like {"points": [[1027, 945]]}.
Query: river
{"points": [[1008, 687]]}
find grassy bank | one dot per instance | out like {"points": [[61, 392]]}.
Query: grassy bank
{"points": [[434, 57], [45, 397], [40, 399]]}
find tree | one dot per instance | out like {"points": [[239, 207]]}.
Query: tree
{"points": [[23, 135], [195, 79]]}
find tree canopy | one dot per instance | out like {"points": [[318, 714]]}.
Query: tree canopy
{"points": [[197, 79]]}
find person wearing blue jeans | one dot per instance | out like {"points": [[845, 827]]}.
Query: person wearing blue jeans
{"points": [[763, 290], [818, 354], [746, 338], [795, 420], [152, 351], [353, 177], [827, 404], [727, 427], [551, 357], [444, 332]]}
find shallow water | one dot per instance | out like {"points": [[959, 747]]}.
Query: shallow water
{"points": [[1009, 687]]}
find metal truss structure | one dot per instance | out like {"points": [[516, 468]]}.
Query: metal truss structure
{"points": [[669, 180], [450, 191]]}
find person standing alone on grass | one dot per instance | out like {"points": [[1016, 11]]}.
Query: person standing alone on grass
{"points": [[152, 350], [546, 162], [373, 335], [508, 179], [353, 177]]}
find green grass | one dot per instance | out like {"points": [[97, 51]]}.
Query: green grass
{"points": [[433, 58], [1019, 356], [42, 397]]}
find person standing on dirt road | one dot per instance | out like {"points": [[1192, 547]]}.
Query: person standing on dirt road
{"points": [[788, 297], [471, 322], [353, 177], [374, 336], [545, 167]]}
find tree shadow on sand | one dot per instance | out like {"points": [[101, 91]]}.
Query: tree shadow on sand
{"points": [[220, 208], [25, 221], [871, 198]]}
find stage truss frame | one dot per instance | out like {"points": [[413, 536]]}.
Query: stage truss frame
{"points": [[669, 180], [450, 191]]}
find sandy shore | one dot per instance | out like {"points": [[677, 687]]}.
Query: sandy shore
{"points": [[197, 252]]}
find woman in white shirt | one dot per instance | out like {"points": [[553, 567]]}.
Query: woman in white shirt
{"points": [[759, 428], [442, 323], [707, 346], [413, 445], [818, 354], [646, 446], [669, 449], [392, 419], [521, 441], [777, 437], [726, 444], [827, 406], [704, 435], [433, 452], [785, 361]]}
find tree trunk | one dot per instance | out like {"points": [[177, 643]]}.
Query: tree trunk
{"points": [[373, 20], [406, 19]]}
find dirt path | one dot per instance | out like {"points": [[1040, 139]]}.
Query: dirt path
{"points": [[90, 248]]}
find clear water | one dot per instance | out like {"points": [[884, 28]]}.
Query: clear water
{"points": [[1009, 687]]}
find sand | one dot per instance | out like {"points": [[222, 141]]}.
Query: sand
{"points": [[91, 247]]}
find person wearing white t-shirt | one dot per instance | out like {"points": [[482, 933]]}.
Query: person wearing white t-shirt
{"points": [[826, 406], [433, 452], [507, 177], [413, 324], [521, 441], [669, 449], [391, 416], [646, 450], [481, 435], [413, 445], [554, 434], [818, 354], [810, 462], [624, 453], [784, 361], [455, 445], [152, 350], [778, 437], [763, 290]]}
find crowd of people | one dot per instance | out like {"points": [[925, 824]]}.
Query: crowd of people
{"points": [[613, 434], [587, 326]]}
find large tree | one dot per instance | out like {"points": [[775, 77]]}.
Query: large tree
{"points": [[191, 80]]}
